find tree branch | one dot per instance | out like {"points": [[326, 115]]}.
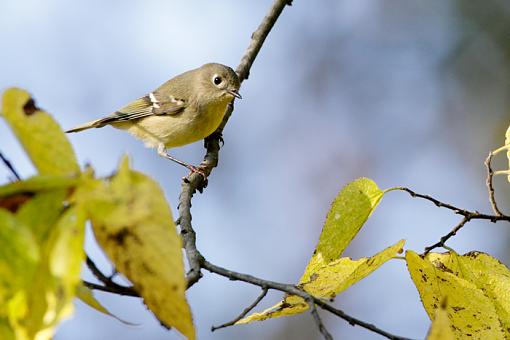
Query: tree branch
{"points": [[9, 166], [258, 37], [442, 240], [109, 285], [126, 291], [244, 312], [472, 215], [292, 289], [195, 181], [318, 321], [467, 214], [490, 188]]}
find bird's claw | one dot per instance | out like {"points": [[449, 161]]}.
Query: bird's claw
{"points": [[197, 170]]}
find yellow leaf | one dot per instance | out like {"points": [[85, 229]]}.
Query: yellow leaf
{"points": [[336, 276], [441, 328], [471, 284], [289, 306], [41, 137], [86, 295], [37, 183], [133, 224], [349, 211], [328, 281]]}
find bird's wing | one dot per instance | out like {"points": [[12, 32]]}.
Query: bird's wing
{"points": [[151, 104]]}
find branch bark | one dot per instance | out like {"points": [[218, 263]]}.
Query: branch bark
{"points": [[292, 289], [195, 181], [244, 312], [490, 187]]}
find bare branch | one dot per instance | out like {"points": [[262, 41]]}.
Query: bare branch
{"points": [[126, 291], [467, 214], [9, 166], [245, 311], [446, 237], [471, 215], [490, 188], [318, 321], [109, 285], [187, 232], [292, 289], [436, 202], [258, 37], [195, 181]]}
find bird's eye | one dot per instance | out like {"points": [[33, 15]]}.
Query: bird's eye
{"points": [[217, 80]]}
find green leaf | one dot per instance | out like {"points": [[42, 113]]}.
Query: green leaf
{"points": [[36, 309], [133, 224], [327, 275], [41, 137], [19, 255], [42, 211], [349, 211], [475, 285], [6, 332]]}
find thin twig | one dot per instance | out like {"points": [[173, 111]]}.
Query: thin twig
{"points": [[96, 271], [292, 289], [467, 214], [490, 187], [244, 312], [9, 166], [258, 37], [318, 320], [126, 291], [446, 237], [472, 215], [109, 284], [436, 202]]}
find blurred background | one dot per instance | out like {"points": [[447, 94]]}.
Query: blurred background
{"points": [[407, 92]]}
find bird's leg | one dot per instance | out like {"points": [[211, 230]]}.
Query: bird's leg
{"points": [[163, 153]]}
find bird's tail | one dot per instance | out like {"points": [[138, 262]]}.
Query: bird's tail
{"points": [[93, 124]]}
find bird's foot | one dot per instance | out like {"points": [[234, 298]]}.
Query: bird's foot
{"points": [[197, 170]]}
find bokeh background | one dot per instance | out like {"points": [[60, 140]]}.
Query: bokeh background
{"points": [[406, 92]]}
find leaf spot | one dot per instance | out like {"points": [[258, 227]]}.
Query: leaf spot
{"points": [[30, 108]]}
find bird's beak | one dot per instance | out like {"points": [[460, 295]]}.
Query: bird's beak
{"points": [[235, 93]]}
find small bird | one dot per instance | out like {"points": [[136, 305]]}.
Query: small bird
{"points": [[185, 109]]}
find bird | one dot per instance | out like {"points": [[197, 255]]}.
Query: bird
{"points": [[183, 110]]}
